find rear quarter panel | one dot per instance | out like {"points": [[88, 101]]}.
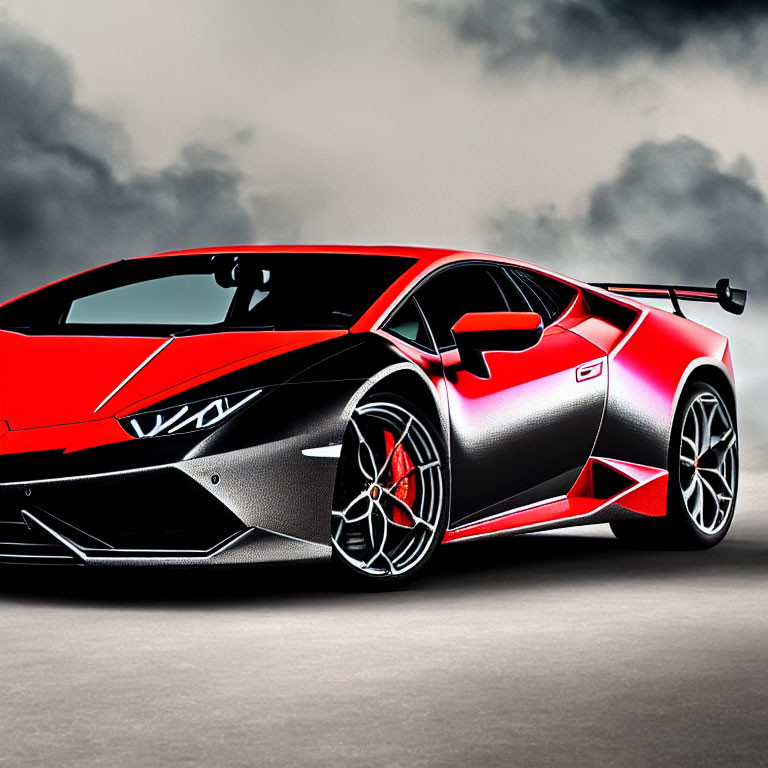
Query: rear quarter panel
{"points": [[648, 371]]}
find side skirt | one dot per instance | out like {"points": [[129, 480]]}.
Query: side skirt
{"points": [[606, 489]]}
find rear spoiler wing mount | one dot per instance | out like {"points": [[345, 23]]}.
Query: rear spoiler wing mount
{"points": [[730, 299]]}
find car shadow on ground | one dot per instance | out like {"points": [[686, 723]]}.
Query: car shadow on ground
{"points": [[504, 563]]}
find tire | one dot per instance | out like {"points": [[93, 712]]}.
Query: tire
{"points": [[390, 507], [703, 470]]}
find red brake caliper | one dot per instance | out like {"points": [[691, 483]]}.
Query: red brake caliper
{"points": [[404, 487]]}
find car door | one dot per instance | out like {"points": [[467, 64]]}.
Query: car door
{"points": [[523, 434]]}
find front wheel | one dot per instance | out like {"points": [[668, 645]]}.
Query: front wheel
{"points": [[390, 505]]}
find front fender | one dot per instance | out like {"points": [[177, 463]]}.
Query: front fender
{"points": [[276, 463]]}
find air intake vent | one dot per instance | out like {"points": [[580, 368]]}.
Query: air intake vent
{"points": [[20, 542], [607, 482]]}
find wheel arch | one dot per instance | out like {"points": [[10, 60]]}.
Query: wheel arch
{"points": [[706, 371], [410, 382], [712, 372]]}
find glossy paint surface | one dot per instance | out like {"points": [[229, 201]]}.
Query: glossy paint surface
{"points": [[64, 379], [473, 322]]}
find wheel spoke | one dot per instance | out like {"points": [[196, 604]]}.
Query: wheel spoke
{"points": [[343, 513], [359, 497], [391, 453], [727, 435], [687, 441], [370, 526], [706, 442], [390, 520], [688, 492], [698, 509], [409, 511], [720, 476], [716, 498], [722, 448], [411, 471], [390, 564], [363, 443], [379, 551], [696, 431], [357, 519]]}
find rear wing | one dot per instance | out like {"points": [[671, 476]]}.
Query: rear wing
{"points": [[730, 299]]}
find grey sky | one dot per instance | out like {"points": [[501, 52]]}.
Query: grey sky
{"points": [[371, 122], [69, 196], [604, 33]]}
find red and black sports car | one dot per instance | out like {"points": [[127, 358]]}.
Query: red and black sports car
{"points": [[361, 404]]}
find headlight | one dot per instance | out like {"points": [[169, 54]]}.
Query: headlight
{"points": [[186, 418]]}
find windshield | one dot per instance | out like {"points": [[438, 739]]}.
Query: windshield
{"points": [[172, 294]]}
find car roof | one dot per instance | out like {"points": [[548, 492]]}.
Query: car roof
{"points": [[421, 253]]}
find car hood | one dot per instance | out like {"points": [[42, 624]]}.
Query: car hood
{"points": [[53, 380]]}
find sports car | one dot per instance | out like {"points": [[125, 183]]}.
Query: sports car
{"points": [[361, 405]]}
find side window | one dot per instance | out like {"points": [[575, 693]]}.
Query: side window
{"points": [[408, 324], [516, 299], [453, 293], [547, 296]]}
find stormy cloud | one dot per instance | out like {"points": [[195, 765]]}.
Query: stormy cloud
{"points": [[599, 33], [70, 194], [675, 210]]}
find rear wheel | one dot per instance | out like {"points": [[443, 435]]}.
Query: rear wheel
{"points": [[703, 477], [390, 509]]}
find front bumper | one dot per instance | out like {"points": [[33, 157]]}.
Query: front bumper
{"points": [[236, 508], [258, 489]]}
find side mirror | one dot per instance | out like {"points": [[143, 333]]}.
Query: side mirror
{"points": [[478, 332]]}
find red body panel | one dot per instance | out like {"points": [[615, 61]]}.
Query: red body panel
{"points": [[61, 380], [67, 437], [497, 321], [178, 366]]}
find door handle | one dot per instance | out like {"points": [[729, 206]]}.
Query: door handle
{"points": [[589, 371]]}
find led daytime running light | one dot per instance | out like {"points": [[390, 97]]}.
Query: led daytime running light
{"points": [[187, 418]]}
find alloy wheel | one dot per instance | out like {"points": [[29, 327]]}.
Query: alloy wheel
{"points": [[390, 497], [708, 463]]}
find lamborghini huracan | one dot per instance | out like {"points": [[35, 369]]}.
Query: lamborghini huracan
{"points": [[361, 405]]}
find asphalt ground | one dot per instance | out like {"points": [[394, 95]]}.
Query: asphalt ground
{"points": [[556, 649]]}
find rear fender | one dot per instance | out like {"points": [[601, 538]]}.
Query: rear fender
{"points": [[647, 376]]}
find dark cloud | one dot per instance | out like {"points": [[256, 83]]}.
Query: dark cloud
{"points": [[70, 197], [674, 211], [597, 33]]}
